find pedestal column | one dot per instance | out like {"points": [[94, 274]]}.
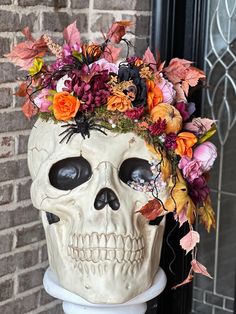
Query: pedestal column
{"points": [[74, 304]]}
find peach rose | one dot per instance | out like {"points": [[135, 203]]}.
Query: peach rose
{"points": [[154, 95], [118, 101], [65, 106], [185, 142]]}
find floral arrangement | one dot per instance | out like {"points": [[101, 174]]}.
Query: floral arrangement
{"points": [[86, 88]]}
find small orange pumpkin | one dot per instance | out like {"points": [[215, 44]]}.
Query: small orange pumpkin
{"points": [[170, 114]]}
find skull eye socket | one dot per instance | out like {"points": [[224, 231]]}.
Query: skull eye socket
{"points": [[69, 173], [135, 169]]}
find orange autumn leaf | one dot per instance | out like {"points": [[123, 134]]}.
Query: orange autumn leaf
{"points": [[185, 141], [22, 90], [29, 109], [152, 209], [118, 30]]}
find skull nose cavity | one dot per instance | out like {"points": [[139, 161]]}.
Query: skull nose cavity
{"points": [[106, 196]]}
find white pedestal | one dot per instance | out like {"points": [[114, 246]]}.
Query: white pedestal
{"points": [[74, 304]]}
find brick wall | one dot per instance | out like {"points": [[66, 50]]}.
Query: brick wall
{"points": [[23, 254]]}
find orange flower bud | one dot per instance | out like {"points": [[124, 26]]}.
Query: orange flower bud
{"points": [[154, 95], [65, 106], [185, 142]]}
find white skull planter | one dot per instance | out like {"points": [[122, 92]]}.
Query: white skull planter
{"points": [[100, 247]]}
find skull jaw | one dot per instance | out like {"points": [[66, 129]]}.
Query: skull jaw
{"points": [[105, 281]]}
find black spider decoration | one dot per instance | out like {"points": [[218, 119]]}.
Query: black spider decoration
{"points": [[82, 125]]}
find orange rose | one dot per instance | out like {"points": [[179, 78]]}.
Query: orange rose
{"points": [[154, 95], [118, 101], [185, 142], [65, 106]]}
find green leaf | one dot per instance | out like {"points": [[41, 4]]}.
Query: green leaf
{"points": [[207, 135]]}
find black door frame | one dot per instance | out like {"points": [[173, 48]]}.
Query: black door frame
{"points": [[178, 30]]}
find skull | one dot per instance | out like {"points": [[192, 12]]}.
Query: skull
{"points": [[100, 247]]}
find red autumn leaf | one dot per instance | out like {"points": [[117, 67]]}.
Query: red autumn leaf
{"points": [[72, 35], [199, 268], [186, 280], [22, 90], [152, 209], [26, 31], [118, 30], [25, 52], [189, 241], [111, 53], [29, 109], [149, 58]]}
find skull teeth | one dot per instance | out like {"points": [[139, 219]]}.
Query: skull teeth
{"points": [[111, 247]]}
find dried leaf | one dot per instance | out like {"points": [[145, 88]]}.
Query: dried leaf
{"points": [[111, 53], [199, 268], [200, 126], [152, 209], [207, 215], [29, 109], [26, 31], [180, 96], [22, 90], [208, 134], [186, 280], [24, 53], [149, 59], [189, 241], [118, 30], [72, 34], [179, 199], [193, 75]]}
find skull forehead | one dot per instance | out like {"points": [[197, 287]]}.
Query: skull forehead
{"points": [[44, 143]]}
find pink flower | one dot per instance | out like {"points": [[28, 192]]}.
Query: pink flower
{"points": [[168, 91], [41, 100], [205, 154], [191, 168], [105, 65]]}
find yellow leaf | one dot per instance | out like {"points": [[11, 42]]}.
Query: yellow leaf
{"points": [[179, 199], [36, 67], [166, 168], [207, 215]]}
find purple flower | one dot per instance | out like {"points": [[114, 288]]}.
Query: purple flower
{"points": [[183, 109], [158, 127], [170, 141], [198, 190]]}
